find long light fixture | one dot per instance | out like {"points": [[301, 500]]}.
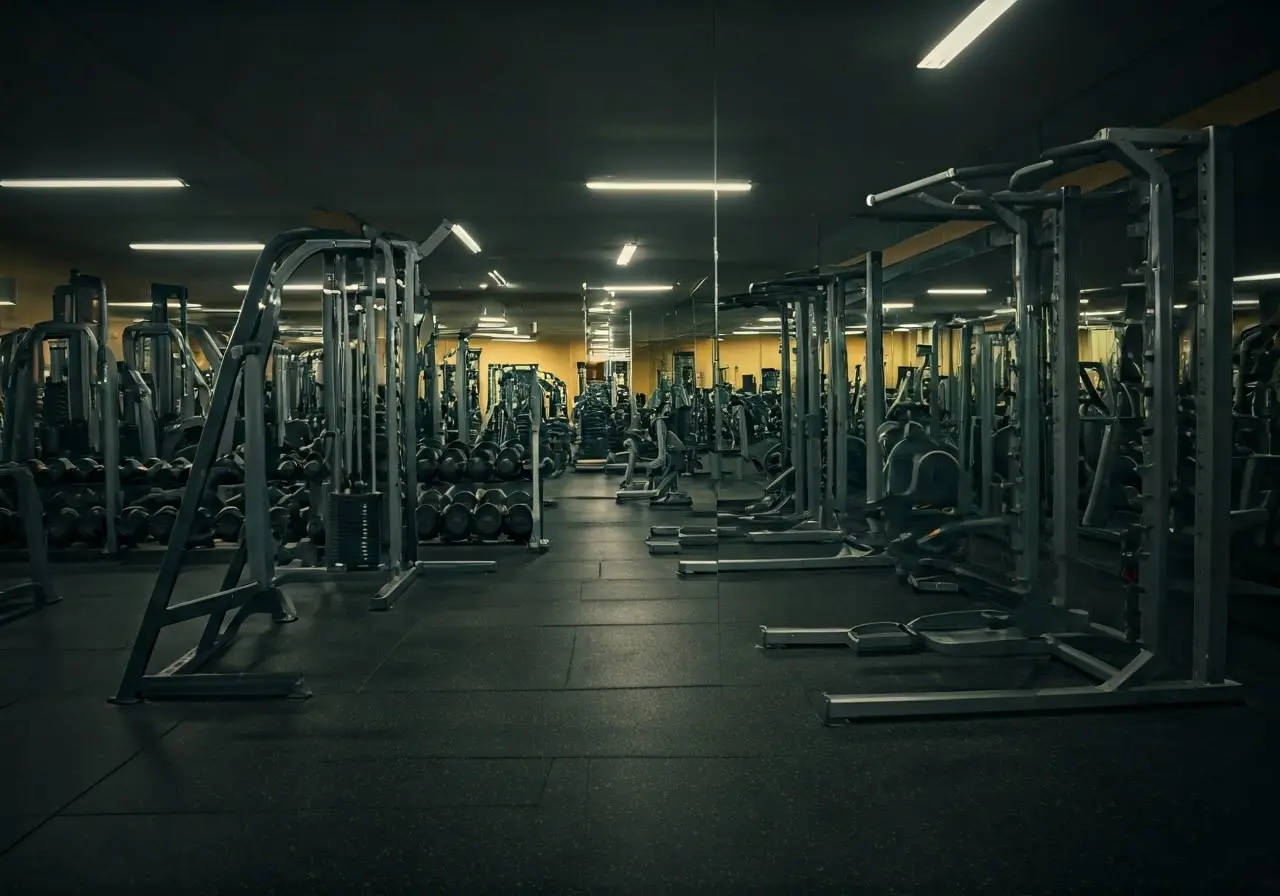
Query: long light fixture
{"points": [[965, 33], [1006, 311], [191, 306], [495, 328], [498, 279], [196, 247], [624, 257], [492, 319], [600, 309], [93, 183], [639, 287], [467, 239], [294, 287], [902, 329], [1255, 278], [746, 333], [1101, 313], [898, 306], [512, 337], [957, 291], [670, 186], [770, 320], [220, 310], [1245, 303]]}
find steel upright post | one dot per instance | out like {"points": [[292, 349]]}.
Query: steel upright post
{"points": [[874, 414], [1065, 374], [1216, 191]]}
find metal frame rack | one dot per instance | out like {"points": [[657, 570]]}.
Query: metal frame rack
{"points": [[246, 359], [819, 305], [1043, 624]]}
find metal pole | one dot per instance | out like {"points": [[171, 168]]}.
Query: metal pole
{"points": [[1065, 378], [1025, 460], [1213, 410], [874, 414], [838, 397], [813, 420], [803, 372], [988, 496], [964, 419], [463, 412], [408, 382], [784, 383], [935, 391]]}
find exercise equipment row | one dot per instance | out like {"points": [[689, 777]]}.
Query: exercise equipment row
{"points": [[486, 461]]}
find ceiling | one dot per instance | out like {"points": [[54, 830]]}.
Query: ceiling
{"points": [[494, 114]]}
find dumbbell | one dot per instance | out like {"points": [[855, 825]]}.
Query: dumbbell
{"points": [[457, 517], [87, 470], [286, 515], [91, 527], [132, 525], [428, 462], [428, 514], [288, 468], [510, 463], [39, 472], [483, 457], [227, 470], [132, 471], [60, 526], [517, 521], [228, 521], [486, 519], [453, 462], [59, 469]]}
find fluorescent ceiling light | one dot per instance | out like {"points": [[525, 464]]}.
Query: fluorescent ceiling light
{"points": [[745, 333], [599, 309], [495, 328], [1255, 278], [498, 278], [295, 287], [196, 247], [902, 329], [492, 318], [220, 310], [957, 291], [770, 320], [1101, 313], [93, 183], [639, 287], [624, 257], [1244, 303], [484, 285], [898, 306], [1005, 311], [190, 305], [467, 240], [512, 337], [965, 33], [8, 304], [1180, 305], [671, 186]]}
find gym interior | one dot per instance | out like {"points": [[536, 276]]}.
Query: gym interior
{"points": [[722, 449]]}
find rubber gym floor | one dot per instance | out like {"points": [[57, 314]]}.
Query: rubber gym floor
{"points": [[585, 721]]}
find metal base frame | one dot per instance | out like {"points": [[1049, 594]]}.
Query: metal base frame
{"points": [[848, 557]]}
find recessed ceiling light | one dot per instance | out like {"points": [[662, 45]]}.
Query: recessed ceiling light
{"points": [[484, 285], [196, 247], [1101, 313], [510, 337], [639, 287], [499, 279], [902, 329], [297, 287], [1005, 311], [190, 305], [93, 183], [965, 33], [600, 309], [1244, 303], [898, 306], [670, 186], [1256, 278], [467, 239], [492, 318], [624, 257], [770, 320], [957, 291], [220, 310]]}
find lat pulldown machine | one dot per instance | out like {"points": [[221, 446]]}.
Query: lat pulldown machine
{"points": [[356, 549]]}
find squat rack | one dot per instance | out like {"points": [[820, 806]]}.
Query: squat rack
{"points": [[1044, 625], [246, 359]]}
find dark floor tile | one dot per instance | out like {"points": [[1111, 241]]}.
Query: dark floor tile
{"points": [[613, 551], [575, 612], [645, 656], [556, 572], [703, 721], [688, 825], [650, 589], [52, 750], [647, 612], [62, 673], [76, 624], [474, 659], [392, 851], [191, 776], [659, 567], [14, 827]]}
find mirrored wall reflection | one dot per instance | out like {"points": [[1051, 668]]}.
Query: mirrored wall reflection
{"points": [[609, 338]]}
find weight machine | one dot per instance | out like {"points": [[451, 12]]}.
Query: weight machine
{"points": [[1037, 621], [370, 531]]}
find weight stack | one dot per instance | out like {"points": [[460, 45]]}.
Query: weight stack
{"points": [[353, 536]]}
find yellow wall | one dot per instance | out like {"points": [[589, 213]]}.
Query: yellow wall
{"points": [[554, 356]]}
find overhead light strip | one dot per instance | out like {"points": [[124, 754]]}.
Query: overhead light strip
{"points": [[976, 22], [639, 287], [467, 239], [670, 186], [958, 291], [93, 183], [196, 247], [624, 257]]}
